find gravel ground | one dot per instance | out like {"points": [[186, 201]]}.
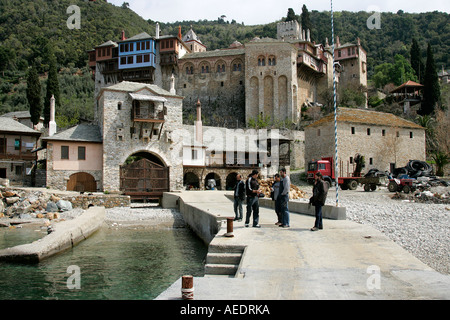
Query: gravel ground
{"points": [[423, 229]]}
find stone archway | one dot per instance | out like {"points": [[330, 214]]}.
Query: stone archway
{"points": [[216, 177], [230, 181], [191, 181], [82, 182]]}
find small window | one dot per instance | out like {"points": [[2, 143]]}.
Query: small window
{"points": [[119, 106], [383, 133], [368, 131], [81, 153], [353, 130], [194, 154], [398, 134], [64, 152], [17, 144], [123, 60], [371, 161], [130, 60], [318, 132], [146, 58], [139, 59], [339, 53], [411, 135], [221, 83], [351, 159], [19, 170]]}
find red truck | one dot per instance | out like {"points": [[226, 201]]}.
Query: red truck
{"points": [[345, 181]]}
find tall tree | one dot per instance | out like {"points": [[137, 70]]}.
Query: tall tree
{"points": [[416, 60], [431, 91], [52, 89], [34, 95], [291, 16], [306, 20]]}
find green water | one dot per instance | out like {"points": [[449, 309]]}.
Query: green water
{"points": [[121, 264]]}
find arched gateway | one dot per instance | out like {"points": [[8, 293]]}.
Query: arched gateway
{"points": [[144, 177]]}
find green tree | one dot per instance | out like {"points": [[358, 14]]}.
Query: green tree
{"points": [[431, 91], [34, 95], [306, 20], [52, 89], [402, 71], [291, 16], [441, 159], [416, 60]]}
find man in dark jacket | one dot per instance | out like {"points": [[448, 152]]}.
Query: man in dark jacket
{"points": [[320, 191], [253, 191], [239, 197]]}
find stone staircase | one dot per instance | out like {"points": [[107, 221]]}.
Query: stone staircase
{"points": [[223, 260]]}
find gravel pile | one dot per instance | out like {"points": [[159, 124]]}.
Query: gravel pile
{"points": [[423, 229], [144, 216]]}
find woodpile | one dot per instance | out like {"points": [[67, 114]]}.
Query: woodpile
{"points": [[294, 193]]}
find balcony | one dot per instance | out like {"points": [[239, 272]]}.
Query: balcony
{"points": [[11, 153], [148, 109]]}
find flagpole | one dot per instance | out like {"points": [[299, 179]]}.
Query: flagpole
{"points": [[336, 171]]}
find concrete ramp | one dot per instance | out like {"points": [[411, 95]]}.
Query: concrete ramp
{"points": [[66, 235]]}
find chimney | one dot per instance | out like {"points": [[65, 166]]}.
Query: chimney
{"points": [[123, 36], [157, 31], [198, 125], [172, 85], [179, 32], [338, 44], [326, 42], [359, 41], [52, 123]]}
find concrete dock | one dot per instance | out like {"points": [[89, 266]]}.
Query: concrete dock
{"points": [[345, 260]]}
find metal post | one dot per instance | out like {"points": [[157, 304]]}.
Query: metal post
{"points": [[229, 233], [187, 287], [336, 172]]}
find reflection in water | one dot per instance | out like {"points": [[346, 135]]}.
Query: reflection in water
{"points": [[114, 264]]}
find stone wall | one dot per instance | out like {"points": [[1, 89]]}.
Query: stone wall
{"points": [[99, 200], [382, 149]]}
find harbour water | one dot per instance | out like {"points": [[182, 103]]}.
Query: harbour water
{"points": [[114, 263]]}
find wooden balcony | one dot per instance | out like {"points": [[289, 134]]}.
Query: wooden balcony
{"points": [[147, 114]]}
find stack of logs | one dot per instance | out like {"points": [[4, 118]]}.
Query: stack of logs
{"points": [[294, 193]]}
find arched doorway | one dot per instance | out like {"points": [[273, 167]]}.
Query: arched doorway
{"points": [[144, 176], [82, 182], [191, 181], [213, 176], [231, 181]]}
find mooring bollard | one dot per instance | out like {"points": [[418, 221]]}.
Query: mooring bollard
{"points": [[187, 287], [229, 228]]}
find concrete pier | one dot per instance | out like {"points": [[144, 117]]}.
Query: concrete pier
{"points": [[345, 260]]}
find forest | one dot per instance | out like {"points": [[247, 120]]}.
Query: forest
{"points": [[33, 32]]}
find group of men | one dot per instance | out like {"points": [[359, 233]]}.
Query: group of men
{"points": [[280, 194]]}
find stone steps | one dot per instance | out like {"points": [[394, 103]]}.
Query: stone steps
{"points": [[223, 260]]}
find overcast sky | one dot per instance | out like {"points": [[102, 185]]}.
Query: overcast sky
{"points": [[253, 12]]}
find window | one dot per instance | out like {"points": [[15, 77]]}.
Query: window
{"points": [[127, 48], [339, 53], [64, 152], [81, 153], [119, 106], [19, 170], [147, 45], [368, 131], [349, 52], [194, 154], [146, 58], [398, 134], [371, 161], [123, 60], [353, 130], [130, 60], [383, 133], [138, 59], [318, 132], [411, 135], [17, 144], [321, 166], [351, 159]]}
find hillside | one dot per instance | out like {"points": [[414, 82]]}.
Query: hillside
{"points": [[32, 30]]}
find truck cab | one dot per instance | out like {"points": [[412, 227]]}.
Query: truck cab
{"points": [[324, 166]]}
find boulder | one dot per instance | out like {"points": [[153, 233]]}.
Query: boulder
{"points": [[11, 200], [64, 205], [51, 207]]}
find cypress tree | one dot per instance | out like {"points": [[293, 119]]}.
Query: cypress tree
{"points": [[431, 91], [34, 95], [416, 60], [291, 16], [306, 21], [52, 89]]}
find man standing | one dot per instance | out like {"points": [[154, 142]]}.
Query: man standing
{"points": [[285, 187], [252, 190], [239, 197], [320, 191], [275, 196]]}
